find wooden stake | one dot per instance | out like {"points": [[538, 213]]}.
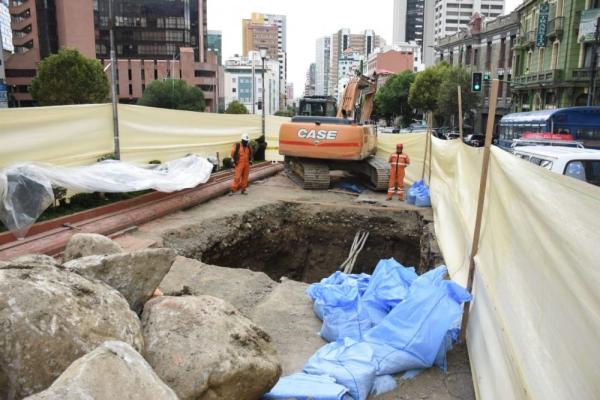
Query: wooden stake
{"points": [[430, 135], [427, 137], [460, 114], [482, 186]]}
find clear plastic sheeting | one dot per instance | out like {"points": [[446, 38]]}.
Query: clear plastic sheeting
{"points": [[26, 190]]}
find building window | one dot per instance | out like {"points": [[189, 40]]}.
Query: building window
{"points": [[555, 49], [155, 74], [502, 54], [129, 74], [233, 90], [143, 74], [143, 88], [528, 65], [131, 90]]}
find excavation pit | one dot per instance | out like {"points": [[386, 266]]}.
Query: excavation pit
{"points": [[307, 242]]}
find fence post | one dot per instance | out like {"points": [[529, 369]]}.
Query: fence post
{"points": [[489, 132]]}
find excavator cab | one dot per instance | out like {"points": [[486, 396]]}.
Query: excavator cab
{"points": [[317, 106]]}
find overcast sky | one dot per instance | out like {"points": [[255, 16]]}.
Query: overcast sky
{"points": [[307, 20]]}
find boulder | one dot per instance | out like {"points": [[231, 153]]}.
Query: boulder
{"points": [[34, 260], [203, 348], [89, 244], [242, 288], [136, 275], [114, 370], [287, 316], [49, 318]]}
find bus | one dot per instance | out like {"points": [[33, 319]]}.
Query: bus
{"points": [[582, 123]]}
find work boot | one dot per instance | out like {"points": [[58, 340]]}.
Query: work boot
{"points": [[244, 192], [231, 193], [388, 198]]}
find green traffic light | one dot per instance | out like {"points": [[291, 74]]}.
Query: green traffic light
{"points": [[477, 87]]}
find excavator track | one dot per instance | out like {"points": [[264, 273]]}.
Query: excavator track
{"points": [[312, 174], [378, 171]]}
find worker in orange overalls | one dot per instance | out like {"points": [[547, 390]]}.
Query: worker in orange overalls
{"points": [[241, 155], [398, 163]]}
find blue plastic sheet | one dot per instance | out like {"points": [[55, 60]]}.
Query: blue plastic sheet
{"points": [[307, 387], [349, 362], [418, 194], [388, 286], [314, 291], [343, 313]]}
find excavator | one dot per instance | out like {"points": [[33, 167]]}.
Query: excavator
{"points": [[315, 142]]}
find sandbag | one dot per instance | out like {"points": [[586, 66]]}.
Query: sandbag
{"points": [[314, 291], [302, 386], [349, 362], [411, 335], [388, 286], [343, 313]]}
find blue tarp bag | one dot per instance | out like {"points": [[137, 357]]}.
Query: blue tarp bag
{"points": [[361, 281], [343, 313], [411, 335], [423, 199], [349, 362], [307, 387], [388, 286], [414, 190]]}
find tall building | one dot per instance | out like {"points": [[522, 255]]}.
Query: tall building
{"points": [[309, 86], [362, 43], [414, 22], [322, 60], [153, 40], [214, 43], [243, 83], [6, 45], [450, 17], [271, 31], [289, 94]]}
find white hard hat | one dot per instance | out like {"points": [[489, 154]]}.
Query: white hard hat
{"points": [[245, 137]]}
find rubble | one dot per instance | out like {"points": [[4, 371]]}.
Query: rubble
{"points": [[89, 244]]}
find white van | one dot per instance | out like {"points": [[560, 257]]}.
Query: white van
{"points": [[582, 164]]}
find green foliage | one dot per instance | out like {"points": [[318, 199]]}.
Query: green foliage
{"points": [[69, 78], [391, 100], [107, 156], [425, 90], [448, 94], [235, 107], [289, 112], [155, 162], [174, 94], [227, 163]]}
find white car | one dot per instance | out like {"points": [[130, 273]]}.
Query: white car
{"points": [[578, 163]]}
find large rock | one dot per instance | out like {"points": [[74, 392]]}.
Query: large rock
{"points": [[204, 349], [113, 371], [136, 275], [48, 319], [89, 244], [242, 288], [287, 316]]}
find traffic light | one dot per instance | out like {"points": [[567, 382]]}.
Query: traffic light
{"points": [[476, 82], [486, 76]]}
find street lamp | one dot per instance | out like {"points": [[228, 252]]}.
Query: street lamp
{"points": [[113, 74], [263, 56]]}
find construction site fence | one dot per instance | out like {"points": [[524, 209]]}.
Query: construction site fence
{"points": [[535, 318]]}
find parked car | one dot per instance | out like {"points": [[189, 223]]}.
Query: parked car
{"points": [[452, 135], [475, 140], [389, 129], [578, 163]]}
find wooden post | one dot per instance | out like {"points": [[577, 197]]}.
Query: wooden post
{"points": [[429, 134], [427, 140], [482, 186], [460, 114]]}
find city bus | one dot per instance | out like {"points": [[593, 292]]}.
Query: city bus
{"points": [[581, 123]]}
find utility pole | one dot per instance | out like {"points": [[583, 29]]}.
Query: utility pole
{"points": [[264, 97], [113, 72], [253, 84], [592, 87]]}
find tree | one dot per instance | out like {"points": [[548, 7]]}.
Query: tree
{"points": [[235, 107], [425, 90], [448, 94], [175, 94], [391, 99], [289, 112], [69, 78]]}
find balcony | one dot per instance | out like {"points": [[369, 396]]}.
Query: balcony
{"points": [[527, 39], [581, 74], [540, 78], [555, 28]]}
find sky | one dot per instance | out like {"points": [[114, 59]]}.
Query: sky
{"points": [[307, 21]]}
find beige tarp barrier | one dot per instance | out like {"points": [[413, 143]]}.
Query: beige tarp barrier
{"points": [[535, 323], [79, 135]]}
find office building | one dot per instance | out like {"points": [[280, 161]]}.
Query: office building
{"points": [[289, 95], [363, 44], [214, 41], [322, 60], [451, 17], [243, 83], [153, 40], [6, 45], [309, 86]]}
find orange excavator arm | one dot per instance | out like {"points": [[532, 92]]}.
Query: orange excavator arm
{"points": [[357, 87]]}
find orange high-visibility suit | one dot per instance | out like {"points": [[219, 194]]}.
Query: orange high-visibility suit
{"points": [[241, 156], [398, 163]]}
